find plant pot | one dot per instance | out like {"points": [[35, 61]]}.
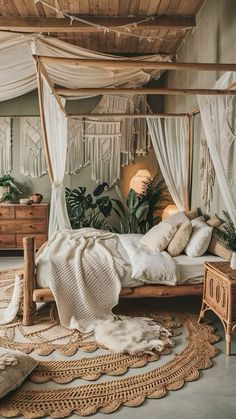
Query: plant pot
{"points": [[3, 190], [233, 261]]}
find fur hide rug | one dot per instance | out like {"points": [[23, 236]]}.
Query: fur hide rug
{"points": [[134, 336], [11, 311]]}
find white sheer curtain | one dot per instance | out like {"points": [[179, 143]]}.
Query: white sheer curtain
{"points": [[56, 129], [218, 115], [168, 137]]}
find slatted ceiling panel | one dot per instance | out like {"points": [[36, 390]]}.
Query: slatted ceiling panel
{"points": [[113, 7], [124, 8], [143, 7], [31, 8], [133, 7], [163, 7], [153, 7], [174, 4], [93, 7], [10, 9], [110, 42], [63, 5], [20, 5], [103, 7], [49, 12], [126, 43], [134, 42], [183, 6]]}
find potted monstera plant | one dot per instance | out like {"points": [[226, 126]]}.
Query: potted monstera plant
{"points": [[8, 188], [226, 235]]}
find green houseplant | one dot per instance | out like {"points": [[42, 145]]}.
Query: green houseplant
{"points": [[136, 213], [8, 188], [227, 237], [85, 210]]}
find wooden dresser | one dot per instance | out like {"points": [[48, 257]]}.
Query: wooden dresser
{"points": [[18, 221]]}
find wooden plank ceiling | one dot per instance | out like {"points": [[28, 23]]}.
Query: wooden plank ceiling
{"points": [[166, 40]]}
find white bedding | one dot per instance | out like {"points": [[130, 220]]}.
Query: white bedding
{"points": [[143, 266]]}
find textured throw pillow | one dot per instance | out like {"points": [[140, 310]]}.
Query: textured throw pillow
{"points": [[214, 221], [180, 239], [193, 213], [158, 238], [215, 248], [177, 219], [15, 366], [199, 240]]}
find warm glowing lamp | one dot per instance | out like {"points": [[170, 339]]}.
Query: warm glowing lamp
{"points": [[137, 181], [169, 210]]}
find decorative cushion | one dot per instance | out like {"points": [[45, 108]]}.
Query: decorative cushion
{"points": [[158, 238], [180, 239], [199, 240], [193, 213], [215, 248], [214, 221], [177, 219], [15, 366]]}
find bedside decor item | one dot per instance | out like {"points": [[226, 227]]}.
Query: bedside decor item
{"points": [[219, 295], [8, 188], [25, 201], [15, 366], [36, 198], [226, 235]]}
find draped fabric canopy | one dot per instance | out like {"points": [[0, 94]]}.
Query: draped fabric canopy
{"points": [[18, 74], [169, 138], [218, 115]]}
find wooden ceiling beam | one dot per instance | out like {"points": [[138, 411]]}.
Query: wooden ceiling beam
{"points": [[125, 115], [158, 65], [62, 91], [51, 24]]}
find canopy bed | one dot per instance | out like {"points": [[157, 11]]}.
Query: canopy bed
{"points": [[67, 66]]}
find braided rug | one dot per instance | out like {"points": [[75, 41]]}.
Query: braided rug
{"points": [[105, 396]]}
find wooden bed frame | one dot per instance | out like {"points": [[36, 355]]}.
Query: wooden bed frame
{"points": [[33, 295]]}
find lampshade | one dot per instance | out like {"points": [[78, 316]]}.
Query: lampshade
{"points": [[137, 181], [169, 210]]}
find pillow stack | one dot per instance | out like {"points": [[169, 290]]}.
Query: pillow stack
{"points": [[186, 232]]}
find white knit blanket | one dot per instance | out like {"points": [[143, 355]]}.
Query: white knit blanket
{"points": [[85, 271]]}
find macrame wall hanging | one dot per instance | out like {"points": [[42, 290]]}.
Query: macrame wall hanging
{"points": [[5, 146], [105, 144], [32, 156]]}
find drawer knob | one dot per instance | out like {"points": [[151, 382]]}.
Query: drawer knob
{"points": [[31, 213]]}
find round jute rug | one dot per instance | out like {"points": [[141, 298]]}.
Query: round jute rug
{"points": [[109, 395]]}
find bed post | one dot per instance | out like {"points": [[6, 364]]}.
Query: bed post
{"points": [[29, 281]]}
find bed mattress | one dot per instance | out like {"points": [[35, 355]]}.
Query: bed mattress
{"points": [[189, 270]]}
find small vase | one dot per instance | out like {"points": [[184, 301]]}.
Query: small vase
{"points": [[233, 261], [3, 190]]}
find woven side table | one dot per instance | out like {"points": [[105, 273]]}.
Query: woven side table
{"points": [[219, 295]]}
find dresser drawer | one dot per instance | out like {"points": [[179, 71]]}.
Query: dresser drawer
{"points": [[7, 241], [27, 227], [39, 240], [30, 211], [7, 212]]}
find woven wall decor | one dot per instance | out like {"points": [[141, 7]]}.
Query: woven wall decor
{"points": [[32, 157], [5, 146]]}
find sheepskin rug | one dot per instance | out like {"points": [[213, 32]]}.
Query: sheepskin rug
{"points": [[137, 335]]}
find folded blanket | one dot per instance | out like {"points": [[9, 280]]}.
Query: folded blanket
{"points": [[84, 271]]}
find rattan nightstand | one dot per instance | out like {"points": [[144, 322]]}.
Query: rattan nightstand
{"points": [[219, 295]]}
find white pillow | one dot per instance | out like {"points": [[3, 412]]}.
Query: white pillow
{"points": [[199, 240], [177, 218], [196, 220], [15, 366], [158, 238]]}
